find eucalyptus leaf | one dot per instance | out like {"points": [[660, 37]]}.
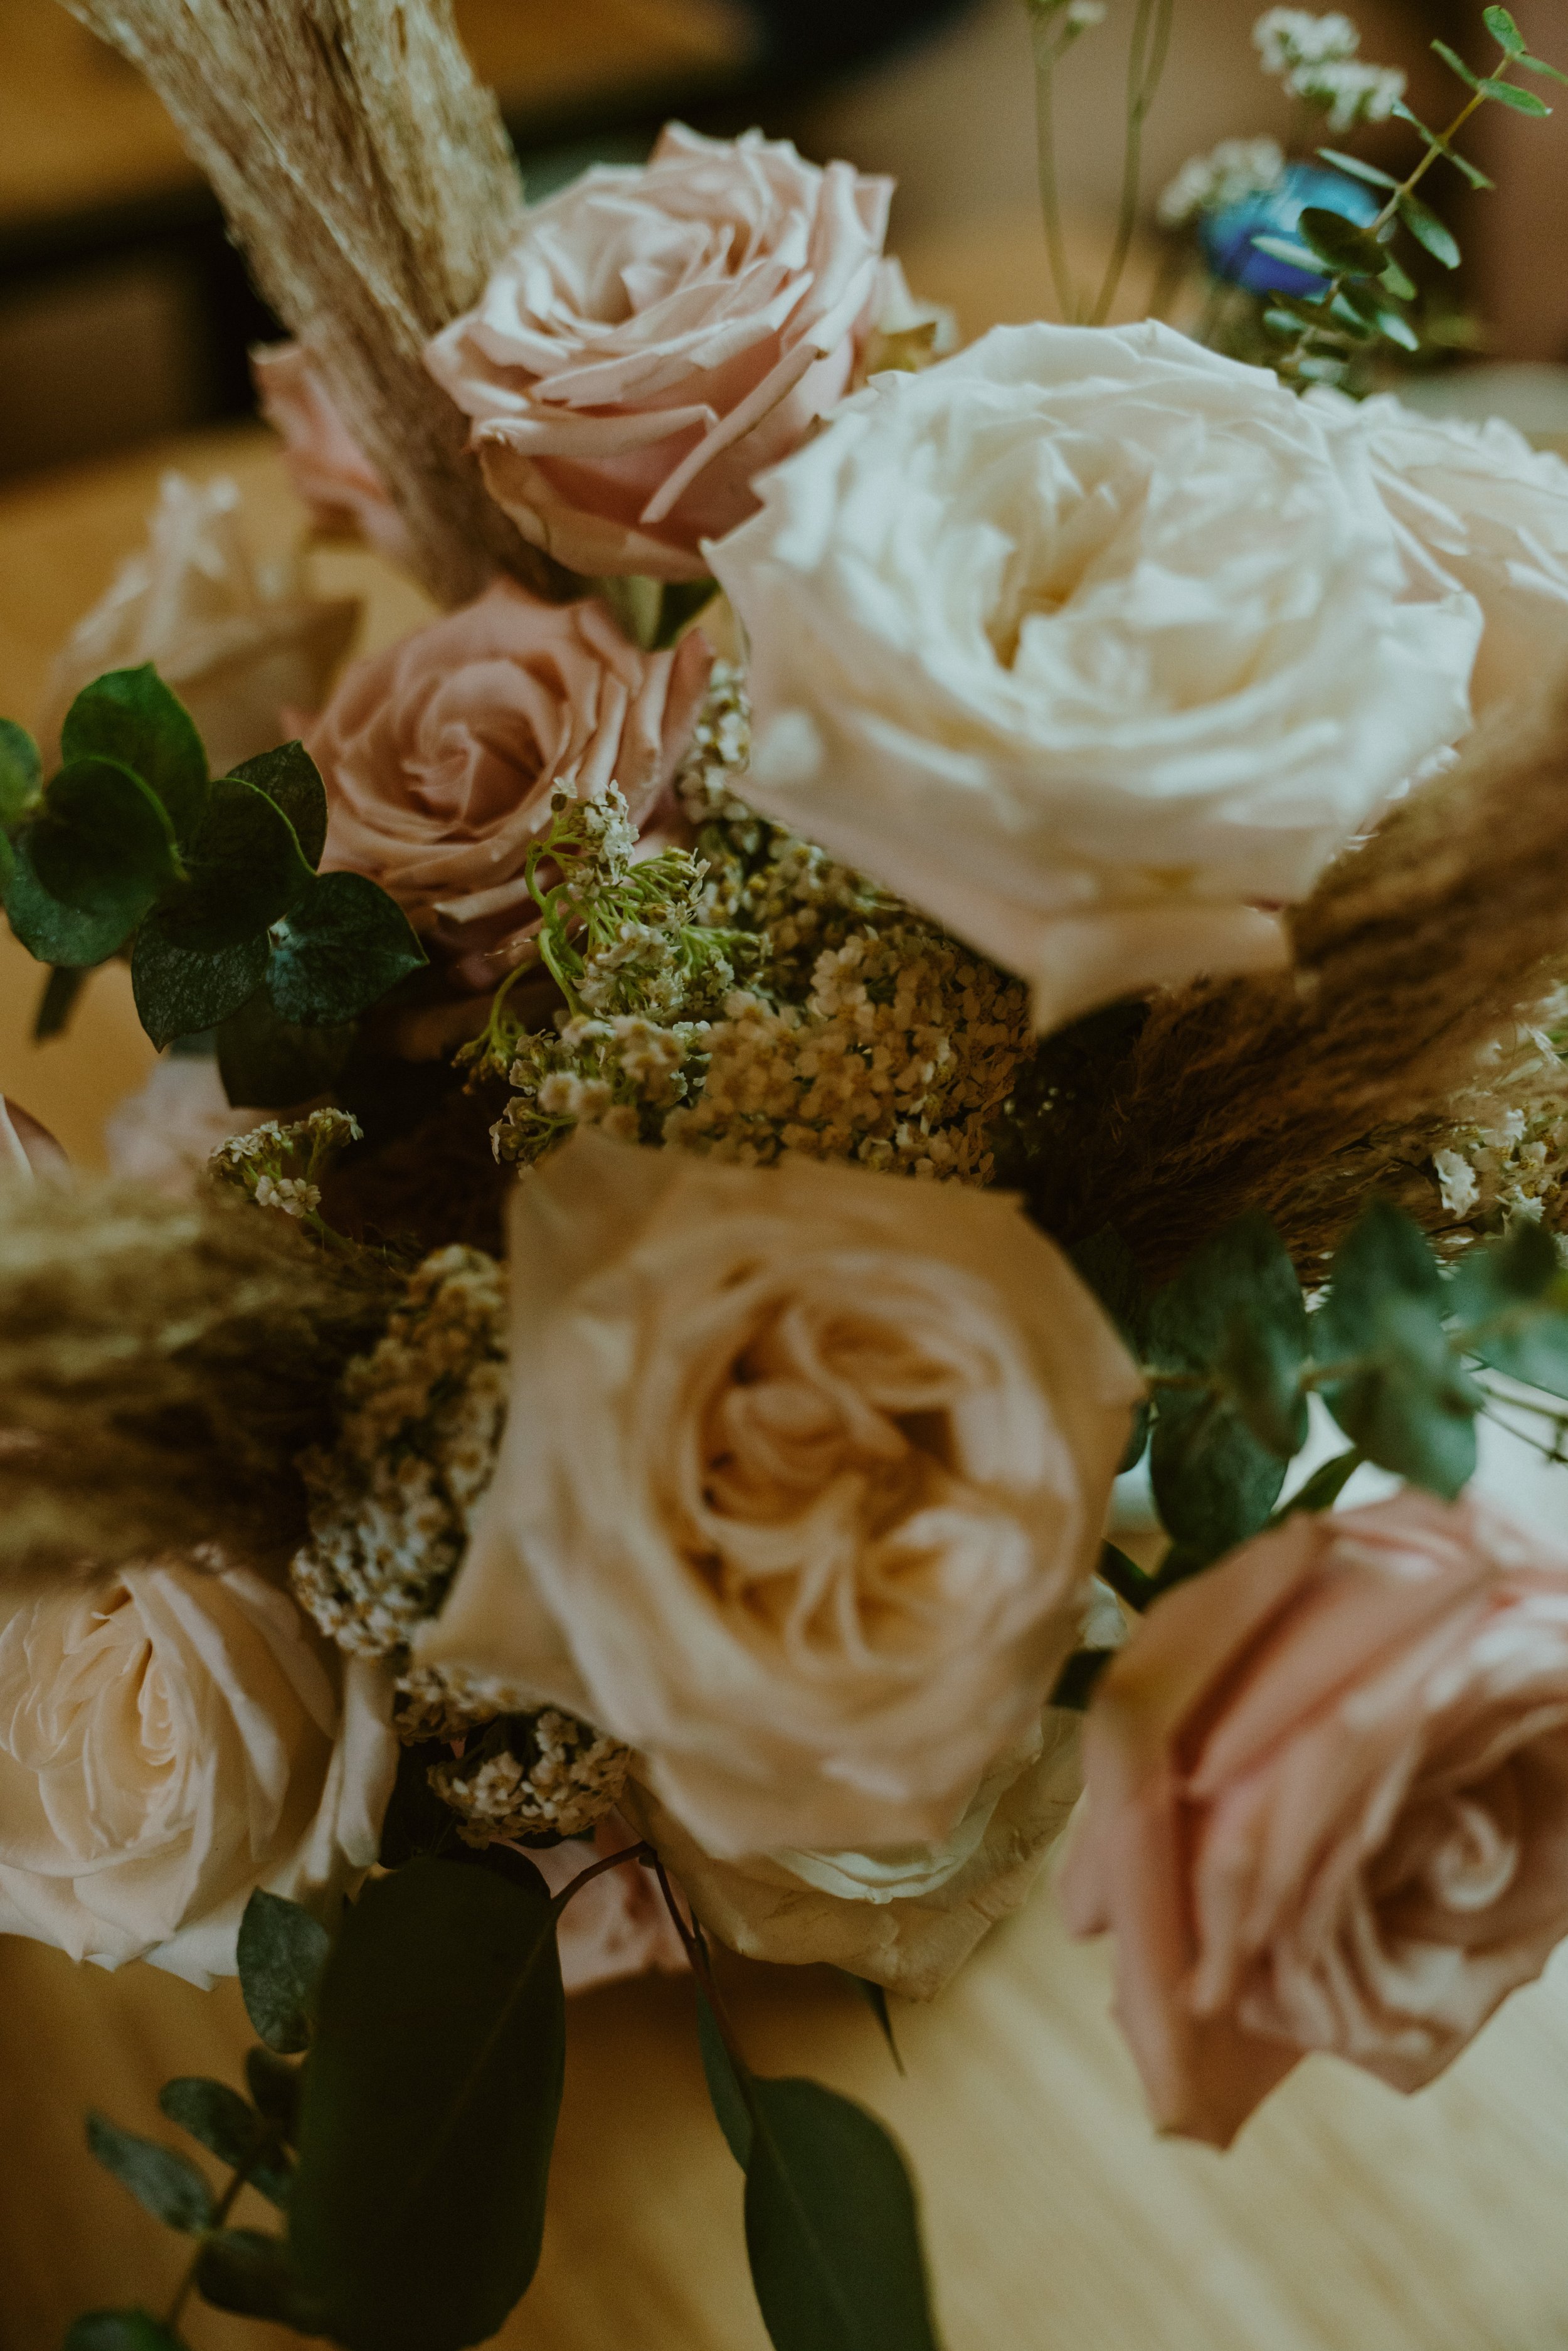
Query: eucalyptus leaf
{"points": [[246, 870], [1283, 248], [282, 1952], [1428, 230], [724, 2091], [1456, 65], [1508, 93], [21, 771], [231, 2128], [1322, 1489], [50, 932], [345, 943], [1397, 281], [1503, 30], [1404, 1398], [431, 2098], [1511, 1302], [56, 1003], [831, 2226], [102, 844], [130, 715], [180, 990], [1540, 65], [1349, 249], [292, 781], [166, 2183], [267, 1063], [1357, 169], [1472, 172], [273, 2085], [246, 2271], [121, 2330]]}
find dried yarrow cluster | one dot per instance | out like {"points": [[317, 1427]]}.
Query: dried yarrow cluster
{"points": [[1506, 1151], [531, 1778]]}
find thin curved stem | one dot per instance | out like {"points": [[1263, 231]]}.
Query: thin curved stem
{"points": [[1145, 64], [643, 1853]]}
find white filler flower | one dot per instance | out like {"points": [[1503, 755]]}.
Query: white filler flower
{"points": [[1092, 644]]}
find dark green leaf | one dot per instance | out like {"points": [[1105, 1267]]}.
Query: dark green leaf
{"points": [[875, 1998], [1397, 281], [292, 781], [244, 2271], [1213, 1483], [1348, 248], [267, 1063], [130, 715], [121, 2330], [1503, 30], [831, 2226], [182, 991], [1455, 65], [246, 870], [21, 771], [1507, 93], [1357, 169], [345, 945], [1078, 1680], [52, 933], [230, 2127], [169, 2185], [724, 2091], [431, 2098], [683, 600], [1124, 1576], [1511, 1302], [56, 1003], [1322, 1489], [101, 844], [282, 1950], [1428, 230], [273, 2085], [1405, 1399]]}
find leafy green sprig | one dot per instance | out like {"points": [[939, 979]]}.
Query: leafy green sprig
{"points": [[1361, 302], [210, 885]]}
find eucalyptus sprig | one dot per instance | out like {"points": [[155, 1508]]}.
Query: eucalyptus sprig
{"points": [[1360, 302]]}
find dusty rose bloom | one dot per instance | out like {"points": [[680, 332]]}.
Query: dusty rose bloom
{"points": [[329, 472], [616, 1927], [27, 1149], [1328, 1804], [658, 334], [441, 754]]}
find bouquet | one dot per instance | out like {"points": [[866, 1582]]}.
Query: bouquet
{"points": [[854, 1151]]}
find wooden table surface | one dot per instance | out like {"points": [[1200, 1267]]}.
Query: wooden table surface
{"points": [[1346, 2219]]}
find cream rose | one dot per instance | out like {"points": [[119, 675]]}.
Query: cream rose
{"points": [[170, 1738], [239, 641], [329, 472], [802, 1483], [1477, 509], [1328, 1804], [658, 334], [1091, 645], [440, 754], [26, 1148]]}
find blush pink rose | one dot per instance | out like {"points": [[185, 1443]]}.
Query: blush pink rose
{"points": [[439, 757], [329, 472], [1328, 1804], [618, 1926], [27, 1149], [658, 334]]}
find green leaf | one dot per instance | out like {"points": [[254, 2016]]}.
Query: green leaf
{"points": [[101, 844], [1406, 1403], [431, 2098], [1455, 65], [1357, 169], [1428, 230], [1397, 281], [56, 1003], [1323, 1487], [247, 2271], [292, 781], [246, 870], [1473, 173], [131, 716], [1295, 256], [180, 990], [725, 2093], [230, 2127], [282, 1950], [21, 771], [1507, 93], [50, 932], [1511, 1300], [121, 2330], [267, 1063], [167, 2184], [1540, 65], [1348, 248], [345, 943], [273, 2085], [1503, 30], [831, 2226], [875, 1998]]}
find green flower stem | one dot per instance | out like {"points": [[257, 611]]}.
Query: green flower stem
{"points": [[1047, 50], [1145, 65]]}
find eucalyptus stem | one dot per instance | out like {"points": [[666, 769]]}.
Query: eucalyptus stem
{"points": [[226, 2202], [1145, 65], [1047, 50]]}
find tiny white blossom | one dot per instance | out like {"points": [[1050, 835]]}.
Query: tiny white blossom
{"points": [[1236, 169], [1288, 37], [1348, 91], [1456, 1182], [289, 1193]]}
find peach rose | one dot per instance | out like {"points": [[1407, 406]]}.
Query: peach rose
{"points": [[27, 1149], [656, 336], [1328, 1804], [330, 472], [439, 757]]}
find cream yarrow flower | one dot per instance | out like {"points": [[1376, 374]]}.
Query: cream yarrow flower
{"points": [[543, 1776]]}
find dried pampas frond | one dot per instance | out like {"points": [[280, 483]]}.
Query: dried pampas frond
{"points": [[1292, 1092], [161, 1363], [368, 178]]}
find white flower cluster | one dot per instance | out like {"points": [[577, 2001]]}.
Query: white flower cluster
{"points": [[1227, 174], [392, 1501], [534, 1776], [623, 1074], [1315, 57], [1507, 1151], [901, 1057], [276, 1167]]}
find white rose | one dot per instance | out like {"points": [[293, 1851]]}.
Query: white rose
{"points": [[1090, 644], [239, 642], [802, 1488], [170, 1740], [1476, 508]]}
